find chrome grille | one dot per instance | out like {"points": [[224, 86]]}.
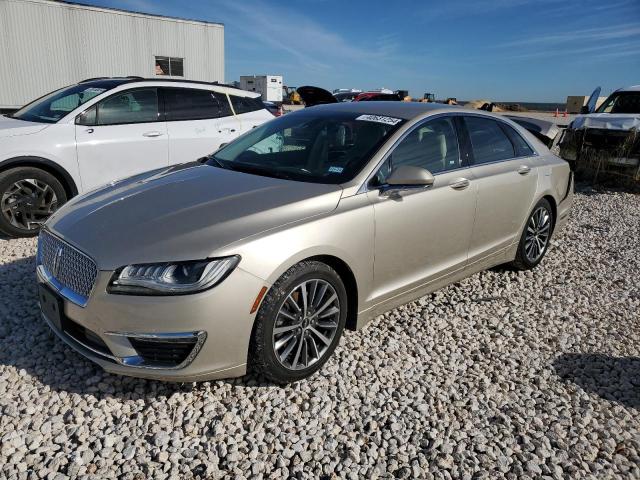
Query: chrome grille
{"points": [[70, 267]]}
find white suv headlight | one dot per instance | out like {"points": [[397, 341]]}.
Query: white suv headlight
{"points": [[171, 278]]}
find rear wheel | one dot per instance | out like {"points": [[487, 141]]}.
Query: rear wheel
{"points": [[536, 236], [28, 197], [299, 323]]}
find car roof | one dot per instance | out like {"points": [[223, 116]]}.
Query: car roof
{"points": [[404, 110], [112, 82], [632, 88]]}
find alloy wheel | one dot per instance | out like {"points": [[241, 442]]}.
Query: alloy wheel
{"points": [[306, 324], [538, 233], [27, 203]]}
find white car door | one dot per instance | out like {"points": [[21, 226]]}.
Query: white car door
{"points": [[121, 136], [199, 121], [250, 111]]}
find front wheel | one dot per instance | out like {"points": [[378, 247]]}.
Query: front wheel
{"points": [[28, 197], [536, 236], [299, 323]]}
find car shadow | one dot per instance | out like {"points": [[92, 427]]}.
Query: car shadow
{"points": [[28, 345], [616, 379]]}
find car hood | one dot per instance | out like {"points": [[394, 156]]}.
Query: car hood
{"points": [[185, 212], [10, 127], [315, 96], [607, 121]]}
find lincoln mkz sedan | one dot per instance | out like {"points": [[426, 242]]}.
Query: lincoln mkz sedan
{"points": [[258, 258]]}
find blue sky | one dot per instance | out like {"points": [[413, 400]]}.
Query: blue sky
{"points": [[503, 50]]}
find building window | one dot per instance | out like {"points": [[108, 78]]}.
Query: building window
{"points": [[170, 66]]}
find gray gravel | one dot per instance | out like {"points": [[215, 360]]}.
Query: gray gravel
{"points": [[504, 375]]}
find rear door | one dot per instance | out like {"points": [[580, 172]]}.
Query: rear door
{"points": [[506, 175], [250, 111], [199, 121], [121, 136]]}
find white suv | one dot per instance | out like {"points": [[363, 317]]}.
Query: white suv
{"points": [[101, 130]]}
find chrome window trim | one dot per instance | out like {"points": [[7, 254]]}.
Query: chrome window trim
{"points": [[365, 186]]}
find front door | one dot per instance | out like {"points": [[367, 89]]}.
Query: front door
{"points": [[422, 235], [121, 136]]}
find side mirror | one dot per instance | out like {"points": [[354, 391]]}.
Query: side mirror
{"points": [[407, 177]]}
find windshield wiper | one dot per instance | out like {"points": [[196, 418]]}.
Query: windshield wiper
{"points": [[211, 160], [258, 170]]}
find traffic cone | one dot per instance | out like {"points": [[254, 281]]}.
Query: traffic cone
{"points": [[557, 113], [565, 114]]}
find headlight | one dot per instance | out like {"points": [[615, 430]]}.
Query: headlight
{"points": [[171, 278]]}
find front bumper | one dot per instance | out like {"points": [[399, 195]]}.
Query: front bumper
{"points": [[118, 331]]}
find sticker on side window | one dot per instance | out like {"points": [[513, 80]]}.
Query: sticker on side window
{"points": [[335, 169], [94, 90], [379, 119]]}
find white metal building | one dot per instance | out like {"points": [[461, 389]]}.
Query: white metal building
{"points": [[45, 45], [269, 86]]}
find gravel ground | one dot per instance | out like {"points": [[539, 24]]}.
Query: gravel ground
{"points": [[504, 375]]}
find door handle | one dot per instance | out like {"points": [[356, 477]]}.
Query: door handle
{"points": [[152, 134], [523, 170], [89, 130], [459, 183]]}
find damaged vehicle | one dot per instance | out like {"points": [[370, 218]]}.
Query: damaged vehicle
{"points": [[609, 132], [547, 132]]}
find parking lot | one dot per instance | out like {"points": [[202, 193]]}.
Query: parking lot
{"points": [[503, 375]]}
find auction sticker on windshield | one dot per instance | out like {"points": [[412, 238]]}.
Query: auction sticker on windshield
{"points": [[379, 119]]}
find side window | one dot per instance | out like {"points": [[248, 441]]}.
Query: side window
{"points": [[432, 146], [488, 140], [245, 104], [88, 117], [194, 104], [522, 147], [131, 106]]}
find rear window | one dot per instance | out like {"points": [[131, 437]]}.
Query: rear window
{"points": [[522, 147], [245, 104], [489, 142], [195, 104]]}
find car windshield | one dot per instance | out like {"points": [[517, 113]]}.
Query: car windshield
{"points": [[54, 106], [319, 147], [621, 102]]}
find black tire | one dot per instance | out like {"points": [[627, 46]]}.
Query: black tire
{"points": [[523, 261], [8, 178], [262, 354]]}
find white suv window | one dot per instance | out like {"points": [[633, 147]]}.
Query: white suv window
{"points": [[131, 106], [195, 104]]}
